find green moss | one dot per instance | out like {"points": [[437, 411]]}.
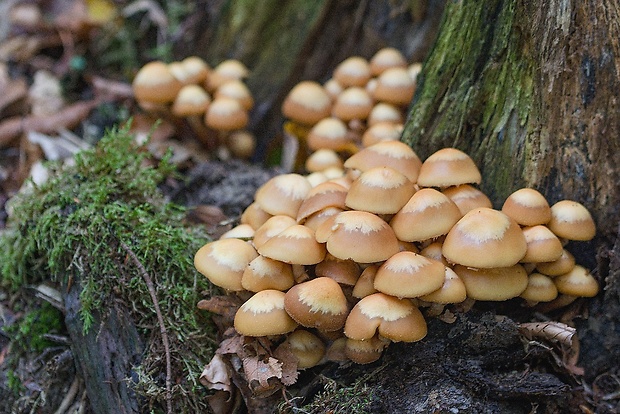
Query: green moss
{"points": [[73, 227], [29, 333]]}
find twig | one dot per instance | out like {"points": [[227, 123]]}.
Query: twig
{"points": [[160, 319], [66, 402]]}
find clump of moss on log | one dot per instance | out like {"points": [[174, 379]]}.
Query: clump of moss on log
{"points": [[79, 225]]}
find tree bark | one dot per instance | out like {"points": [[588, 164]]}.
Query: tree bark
{"points": [[529, 90]]}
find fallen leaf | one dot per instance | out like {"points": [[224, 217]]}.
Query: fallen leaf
{"points": [[261, 371], [552, 331], [285, 355], [216, 375]]}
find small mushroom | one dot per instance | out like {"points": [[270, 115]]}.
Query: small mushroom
{"points": [[578, 282], [308, 348], [527, 207], [542, 245], [385, 58], [467, 197], [263, 273], [571, 220], [353, 103], [380, 190], [409, 275], [264, 315], [353, 71], [283, 194], [393, 154], [447, 167], [224, 261], [307, 103], [496, 284], [296, 245], [154, 83]]}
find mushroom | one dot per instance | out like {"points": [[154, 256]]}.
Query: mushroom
{"points": [[409, 275], [395, 86], [381, 190], [264, 315], [365, 284], [323, 159], [392, 318], [385, 58], [527, 207], [317, 303], [329, 133], [263, 273], [241, 144], [353, 71], [485, 238], [542, 245], [540, 288], [384, 112], [307, 103], [254, 216], [225, 71], [154, 83], [571, 220], [381, 131], [307, 348], [236, 89], [226, 114], [451, 291], [578, 282], [563, 265], [447, 167], [324, 195], [295, 244], [283, 194], [496, 284], [224, 261], [467, 197], [353, 103], [365, 351], [393, 154]]}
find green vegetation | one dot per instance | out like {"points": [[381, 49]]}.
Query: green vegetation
{"points": [[76, 228], [29, 333]]}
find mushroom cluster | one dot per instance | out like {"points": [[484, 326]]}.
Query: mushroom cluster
{"points": [[214, 101], [364, 102], [343, 267]]}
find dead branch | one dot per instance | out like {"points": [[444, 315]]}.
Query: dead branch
{"points": [[552, 331]]}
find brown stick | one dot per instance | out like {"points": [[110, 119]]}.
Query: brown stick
{"points": [[160, 319]]}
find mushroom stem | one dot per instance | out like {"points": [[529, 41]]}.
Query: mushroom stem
{"points": [[206, 135]]}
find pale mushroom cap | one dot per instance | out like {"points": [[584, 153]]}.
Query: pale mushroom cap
{"points": [[318, 303], [324, 195], [527, 207], [426, 215], [394, 154], [283, 194], [232, 68], [296, 245], [394, 86], [433, 251], [496, 284], [385, 58], [226, 114], [467, 197], [390, 317], [254, 216], [365, 351], [264, 273], [307, 348], [447, 167], [316, 220], [224, 261], [345, 272], [353, 71], [451, 291], [155, 83], [381, 190], [485, 238], [236, 89], [362, 237], [353, 103], [240, 231], [328, 133], [542, 245], [196, 69], [322, 159], [241, 143], [263, 315], [577, 282], [385, 112], [307, 103], [381, 131], [273, 226], [571, 220], [333, 88], [191, 100], [540, 288], [563, 265], [409, 275]]}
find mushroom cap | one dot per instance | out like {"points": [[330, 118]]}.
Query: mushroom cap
{"points": [[241, 143], [226, 114], [308, 348], [353, 103], [240, 231], [467, 197], [345, 272], [393, 154], [316, 220], [365, 284], [385, 112], [263, 315], [395, 86], [296, 245], [333, 87], [273, 226], [225, 71], [496, 284], [191, 100], [571, 220], [414, 70], [427, 214], [223, 262], [322, 159], [324, 195], [381, 190], [381, 131], [237, 90], [577, 282], [451, 291], [447, 167], [195, 70], [155, 83], [364, 351], [307, 103], [558, 267], [254, 216], [317, 303], [485, 238], [392, 318], [353, 71], [264, 273], [283, 194], [434, 251], [360, 236], [540, 288], [527, 207], [409, 275], [542, 245], [329, 133], [385, 58]]}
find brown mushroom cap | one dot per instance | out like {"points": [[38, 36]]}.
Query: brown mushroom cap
{"points": [[434, 251], [451, 291], [254, 216], [226, 114], [327, 194], [296, 245], [427, 214], [360, 236], [540, 288], [241, 144], [467, 197], [542, 245], [308, 348], [385, 112], [409, 275], [191, 100], [577, 282], [558, 267], [240, 231], [447, 167], [195, 70], [381, 190], [353, 103], [394, 86], [381, 131], [225, 71], [385, 58], [264, 273], [366, 282], [394, 154], [365, 351], [323, 159], [527, 207], [390, 317], [236, 89], [318, 303], [155, 83], [485, 238], [571, 220], [283, 194], [329, 133], [272, 227], [345, 272], [353, 71], [263, 315], [307, 103], [224, 261], [497, 284]]}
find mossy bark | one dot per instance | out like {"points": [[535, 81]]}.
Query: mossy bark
{"points": [[529, 90]]}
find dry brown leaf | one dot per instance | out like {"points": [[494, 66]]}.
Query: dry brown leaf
{"points": [[216, 375], [12, 91], [221, 305], [260, 370], [289, 363], [552, 331], [232, 345]]}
